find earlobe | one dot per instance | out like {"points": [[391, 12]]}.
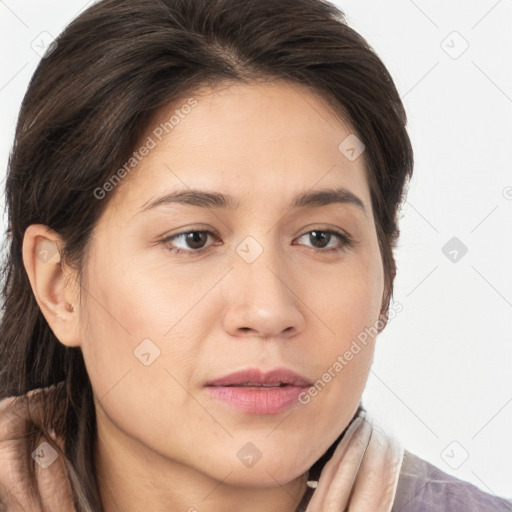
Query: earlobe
{"points": [[54, 291]]}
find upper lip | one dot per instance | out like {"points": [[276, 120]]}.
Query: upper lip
{"points": [[257, 377]]}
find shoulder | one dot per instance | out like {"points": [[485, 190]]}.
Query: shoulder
{"points": [[422, 487]]}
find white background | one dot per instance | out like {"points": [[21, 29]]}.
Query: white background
{"points": [[441, 379]]}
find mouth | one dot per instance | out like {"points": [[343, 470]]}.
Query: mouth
{"points": [[252, 391]]}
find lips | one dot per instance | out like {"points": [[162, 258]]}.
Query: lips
{"points": [[255, 392], [254, 377]]}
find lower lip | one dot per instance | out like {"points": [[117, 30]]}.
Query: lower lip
{"points": [[258, 401]]}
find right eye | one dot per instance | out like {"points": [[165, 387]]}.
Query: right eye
{"points": [[192, 242]]}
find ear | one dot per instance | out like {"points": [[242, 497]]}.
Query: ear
{"points": [[55, 287]]}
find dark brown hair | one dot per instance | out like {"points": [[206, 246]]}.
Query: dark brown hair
{"points": [[89, 102]]}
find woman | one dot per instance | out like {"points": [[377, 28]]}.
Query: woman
{"points": [[202, 202]]}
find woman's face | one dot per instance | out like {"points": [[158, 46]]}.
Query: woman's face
{"points": [[259, 283]]}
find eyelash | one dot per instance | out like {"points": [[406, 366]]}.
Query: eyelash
{"points": [[346, 241]]}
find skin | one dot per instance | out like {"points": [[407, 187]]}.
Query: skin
{"points": [[163, 442]]}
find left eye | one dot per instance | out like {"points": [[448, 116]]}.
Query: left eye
{"points": [[322, 238]]}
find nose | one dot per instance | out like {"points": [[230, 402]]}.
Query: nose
{"points": [[263, 298]]}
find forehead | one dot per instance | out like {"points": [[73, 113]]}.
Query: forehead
{"points": [[245, 140]]}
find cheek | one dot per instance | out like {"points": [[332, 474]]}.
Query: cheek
{"points": [[145, 325], [350, 307], [350, 297], [345, 347], [139, 350]]}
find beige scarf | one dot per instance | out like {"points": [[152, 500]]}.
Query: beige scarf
{"points": [[361, 475]]}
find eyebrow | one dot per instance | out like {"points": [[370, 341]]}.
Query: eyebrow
{"points": [[217, 200]]}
